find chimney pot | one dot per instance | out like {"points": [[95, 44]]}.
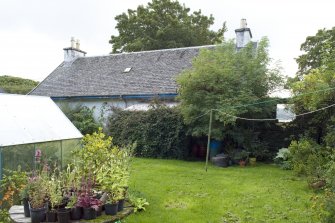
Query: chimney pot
{"points": [[72, 42], [243, 23], [78, 44]]}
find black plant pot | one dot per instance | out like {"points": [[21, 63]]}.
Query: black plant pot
{"points": [[76, 213], [111, 209], [37, 215], [63, 215], [89, 213], [120, 205], [51, 216], [26, 207], [99, 211]]}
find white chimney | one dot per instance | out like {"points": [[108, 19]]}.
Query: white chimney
{"points": [[73, 52], [243, 35]]}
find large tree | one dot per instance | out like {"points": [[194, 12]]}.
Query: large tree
{"points": [[163, 24], [319, 51], [314, 84], [226, 80]]}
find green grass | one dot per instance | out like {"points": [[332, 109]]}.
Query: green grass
{"points": [[183, 192]]}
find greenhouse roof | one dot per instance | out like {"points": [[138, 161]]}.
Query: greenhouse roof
{"points": [[32, 119]]}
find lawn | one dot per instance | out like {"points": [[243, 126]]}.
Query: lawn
{"points": [[182, 192]]}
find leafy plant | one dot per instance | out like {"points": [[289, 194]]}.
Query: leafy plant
{"points": [[86, 200], [4, 216], [38, 190], [139, 203], [11, 185], [283, 159], [82, 117], [54, 192]]}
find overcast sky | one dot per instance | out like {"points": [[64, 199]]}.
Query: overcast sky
{"points": [[33, 33]]}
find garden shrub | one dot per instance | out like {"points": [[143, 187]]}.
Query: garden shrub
{"points": [[82, 117], [283, 159], [158, 132]]}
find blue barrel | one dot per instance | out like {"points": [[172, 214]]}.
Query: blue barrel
{"points": [[214, 148]]}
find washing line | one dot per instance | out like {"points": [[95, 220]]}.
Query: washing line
{"points": [[272, 100]]}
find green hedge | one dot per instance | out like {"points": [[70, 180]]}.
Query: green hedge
{"points": [[158, 132]]}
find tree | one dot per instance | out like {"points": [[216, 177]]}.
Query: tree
{"points": [[226, 80], [314, 83], [319, 50], [163, 24], [16, 85]]}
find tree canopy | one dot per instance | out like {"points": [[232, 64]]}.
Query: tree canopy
{"points": [[16, 85], [319, 51], [314, 85], [163, 24], [226, 79]]}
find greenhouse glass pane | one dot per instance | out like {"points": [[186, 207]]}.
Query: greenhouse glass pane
{"points": [[68, 147], [22, 155], [51, 153]]}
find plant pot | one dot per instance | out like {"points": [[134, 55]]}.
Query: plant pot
{"points": [[242, 163], [120, 205], [252, 161], [37, 215], [51, 216], [111, 209], [99, 211], [89, 213], [26, 207], [76, 213], [63, 215]]}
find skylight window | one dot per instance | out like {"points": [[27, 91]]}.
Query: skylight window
{"points": [[127, 70]]}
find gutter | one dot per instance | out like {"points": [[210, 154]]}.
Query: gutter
{"points": [[135, 96]]}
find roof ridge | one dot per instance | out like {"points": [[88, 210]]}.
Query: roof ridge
{"points": [[150, 51]]}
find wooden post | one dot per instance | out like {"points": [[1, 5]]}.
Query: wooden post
{"points": [[209, 136]]}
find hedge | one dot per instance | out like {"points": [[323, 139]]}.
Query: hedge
{"points": [[158, 132]]}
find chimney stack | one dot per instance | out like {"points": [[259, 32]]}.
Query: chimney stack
{"points": [[73, 52], [243, 35]]}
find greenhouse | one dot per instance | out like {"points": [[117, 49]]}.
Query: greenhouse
{"points": [[34, 131]]}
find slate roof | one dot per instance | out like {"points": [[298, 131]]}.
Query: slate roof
{"points": [[152, 72]]}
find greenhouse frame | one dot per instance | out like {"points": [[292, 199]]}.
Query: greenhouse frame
{"points": [[34, 131]]}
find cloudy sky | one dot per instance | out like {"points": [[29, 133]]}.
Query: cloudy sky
{"points": [[33, 33]]}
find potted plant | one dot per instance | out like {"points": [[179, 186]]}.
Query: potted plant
{"points": [[37, 198], [111, 206], [76, 211], [25, 199], [89, 204], [241, 157], [55, 198]]}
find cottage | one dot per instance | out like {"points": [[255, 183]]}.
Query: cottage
{"points": [[122, 80]]}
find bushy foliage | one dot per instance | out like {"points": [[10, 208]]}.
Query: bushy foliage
{"points": [[225, 80], [163, 24], [309, 159], [17, 85], [158, 132], [82, 117], [283, 159], [12, 183]]}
